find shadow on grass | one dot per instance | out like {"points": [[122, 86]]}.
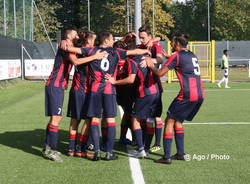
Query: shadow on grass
{"points": [[32, 141]]}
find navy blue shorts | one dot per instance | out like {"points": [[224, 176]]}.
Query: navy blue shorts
{"points": [[181, 110], [77, 105], [98, 102], [53, 101], [125, 98], [149, 106]]}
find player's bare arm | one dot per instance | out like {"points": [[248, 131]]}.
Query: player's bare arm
{"points": [[150, 42], [138, 52], [128, 80], [165, 54], [159, 72], [78, 61]]}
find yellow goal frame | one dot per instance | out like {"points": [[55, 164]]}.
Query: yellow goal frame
{"points": [[205, 52]]}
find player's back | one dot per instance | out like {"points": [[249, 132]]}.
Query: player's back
{"points": [[99, 68], [188, 72], [60, 74], [146, 81]]}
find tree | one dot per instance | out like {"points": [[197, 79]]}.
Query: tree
{"points": [[229, 20], [163, 20], [47, 10]]}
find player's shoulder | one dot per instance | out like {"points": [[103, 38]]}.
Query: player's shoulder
{"points": [[156, 44]]}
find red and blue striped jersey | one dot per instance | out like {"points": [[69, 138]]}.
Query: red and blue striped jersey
{"points": [[59, 76], [80, 81], [99, 68], [125, 68], [187, 70], [155, 49], [146, 82]]}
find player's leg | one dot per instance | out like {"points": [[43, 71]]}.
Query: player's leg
{"points": [[110, 112], [223, 79], [149, 134], [126, 122], [84, 137], [226, 78], [104, 130], [94, 111], [73, 128], [158, 129], [94, 133], [179, 141], [53, 107], [167, 141], [138, 136]]}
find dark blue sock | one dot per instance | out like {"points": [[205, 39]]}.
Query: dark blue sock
{"points": [[124, 130], [179, 140], [72, 141], [138, 137], [148, 138], [111, 133], [158, 127], [104, 134], [94, 132], [90, 141], [53, 136], [167, 142], [47, 141]]}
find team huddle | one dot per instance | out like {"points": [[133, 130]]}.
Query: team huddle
{"points": [[123, 73]]}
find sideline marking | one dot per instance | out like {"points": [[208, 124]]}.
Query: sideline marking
{"points": [[134, 163], [219, 123]]}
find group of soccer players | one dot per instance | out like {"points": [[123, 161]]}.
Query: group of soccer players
{"points": [[107, 74]]}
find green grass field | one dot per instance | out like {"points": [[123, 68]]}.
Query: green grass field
{"points": [[22, 130]]}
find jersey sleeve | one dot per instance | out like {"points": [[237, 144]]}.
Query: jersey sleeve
{"points": [[132, 67], [85, 51], [172, 62], [122, 54], [158, 48]]}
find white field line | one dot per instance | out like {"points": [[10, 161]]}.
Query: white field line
{"points": [[209, 90], [218, 123], [134, 163]]}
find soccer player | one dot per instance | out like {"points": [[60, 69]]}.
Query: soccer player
{"points": [[102, 92], [224, 68], [147, 42], [125, 90], [54, 94], [77, 105], [190, 98], [147, 103]]}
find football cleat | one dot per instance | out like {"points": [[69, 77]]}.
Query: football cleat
{"points": [[141, 154], [71, 153], [110, 156], [97, 156], [164, 161], [219, 85], [227, 87], [53, 155], [155, 149], [178, 157], [46, 151]]}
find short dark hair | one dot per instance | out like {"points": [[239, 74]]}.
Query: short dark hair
{"points": [[145, 28], [68, 31], [102, 37], [85, 35], [224, 51], [182, 39], [119, 44]]}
